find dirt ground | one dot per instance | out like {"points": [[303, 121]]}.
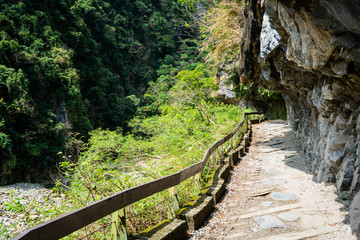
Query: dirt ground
{"points": [[272, 195]]}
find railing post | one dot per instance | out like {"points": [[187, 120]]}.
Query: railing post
{"points": [[219, 152], [229, 145], [198, 182], [240, 136], [247, 122], [213, 158], [174, 202], [237, 139], [118, 228]]}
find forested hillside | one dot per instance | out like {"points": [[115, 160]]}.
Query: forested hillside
{"points": [[112, 94], [68, 67]]}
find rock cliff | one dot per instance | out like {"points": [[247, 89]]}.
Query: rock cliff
{"points": [[309, 51]]}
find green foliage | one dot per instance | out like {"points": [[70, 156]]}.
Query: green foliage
{"points": [[15, 206], [276, 109], [194, 5], [5, 141], [73, 66], [129, 70], [172, 141], [222, 30], [189, 3], [157, 146], [157, 91]]}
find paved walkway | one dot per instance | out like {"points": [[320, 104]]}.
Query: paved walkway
{"points": [[272, 195]]}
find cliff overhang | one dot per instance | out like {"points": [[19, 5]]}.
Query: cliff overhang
{"points": [[309, 51]]}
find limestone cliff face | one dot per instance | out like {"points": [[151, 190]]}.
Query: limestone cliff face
{"points": [[309, 51]]}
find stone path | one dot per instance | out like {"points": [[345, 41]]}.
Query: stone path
{"points": [[272, 195]]}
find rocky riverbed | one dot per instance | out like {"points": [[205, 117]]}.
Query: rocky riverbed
{"points": [[24, 205]]}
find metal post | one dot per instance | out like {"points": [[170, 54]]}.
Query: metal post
{"points": [[118, 228]]}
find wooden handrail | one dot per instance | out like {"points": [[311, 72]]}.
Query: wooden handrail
{"points": [[70, 222]]}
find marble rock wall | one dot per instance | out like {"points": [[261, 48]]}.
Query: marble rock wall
{"points": [[309, 51]]}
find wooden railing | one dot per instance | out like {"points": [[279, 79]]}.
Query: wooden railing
{"points": [[70, 222]]}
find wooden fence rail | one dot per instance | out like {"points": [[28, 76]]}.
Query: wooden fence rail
{"points": [[70, 222]]}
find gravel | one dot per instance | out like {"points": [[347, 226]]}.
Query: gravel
{"points": [[23, 205]]}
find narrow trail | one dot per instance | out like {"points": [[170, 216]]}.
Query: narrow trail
{"points": [[272, 196]]}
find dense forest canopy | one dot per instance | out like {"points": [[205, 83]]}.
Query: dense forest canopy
{"points": [[73, 66], [114, 94], [68, 67]]}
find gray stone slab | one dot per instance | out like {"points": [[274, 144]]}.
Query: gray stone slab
{"points": [[283, 196], [266, 204], [268, 221], [274, 181], [289, 217], [273, 171]]}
